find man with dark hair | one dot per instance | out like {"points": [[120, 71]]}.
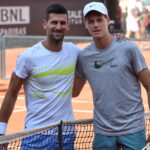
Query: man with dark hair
{"points": [[46, 70], [55, 9]]}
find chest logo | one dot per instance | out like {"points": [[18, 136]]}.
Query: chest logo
{"points": [[98, 64]]}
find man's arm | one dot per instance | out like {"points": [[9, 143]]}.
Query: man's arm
{"points": [[78, 85], [10, 98], [144, 77]]}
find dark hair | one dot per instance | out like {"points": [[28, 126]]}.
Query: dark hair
{"points": [[55, 8]]}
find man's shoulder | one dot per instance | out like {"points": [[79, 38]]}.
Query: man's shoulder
{"points": [[87, 48], [126, 43], [71, 46], [68, 44], [127, 46], [131, 44], [31, 50]]}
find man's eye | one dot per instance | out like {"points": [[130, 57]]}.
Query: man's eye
{"points": [[99, 20], [54, 22], [91, 22], [63, 23]]}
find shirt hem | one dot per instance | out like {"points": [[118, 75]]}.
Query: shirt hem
{"points": [[120, 133]]}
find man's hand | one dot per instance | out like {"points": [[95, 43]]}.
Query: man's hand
{"points": [[120, 37]]}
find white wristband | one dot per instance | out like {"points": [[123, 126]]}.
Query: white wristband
{"points": [[3, 126]]}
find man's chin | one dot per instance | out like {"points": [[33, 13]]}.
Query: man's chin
{"points": [[57, 38], [97, 36]]}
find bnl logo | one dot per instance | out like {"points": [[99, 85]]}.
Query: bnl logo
{"points": [[14, 15]]}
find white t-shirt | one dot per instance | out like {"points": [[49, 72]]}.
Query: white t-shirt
{"points": [[137, 6], [132, 22], [48, 83]]}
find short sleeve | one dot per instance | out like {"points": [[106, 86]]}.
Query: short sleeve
{"points": [[79, 68], [137, 59], [22, 67]]}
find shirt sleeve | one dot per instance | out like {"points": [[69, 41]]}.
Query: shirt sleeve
{"points": [[79, 68], [137, 60], [22, 67]]}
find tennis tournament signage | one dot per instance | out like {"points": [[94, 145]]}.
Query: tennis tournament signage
{"points": [[75, 16], [24, 17], [11, 17], [14, 15]]}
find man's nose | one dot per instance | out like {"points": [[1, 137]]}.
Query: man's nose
{"points": [[58, 26], [96, 23]]}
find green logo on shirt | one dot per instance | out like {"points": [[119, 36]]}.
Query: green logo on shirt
{"points": [[102, 64]]}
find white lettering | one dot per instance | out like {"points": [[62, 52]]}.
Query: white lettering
{"points": [[75, 16], [75, 21], [14, 15], [13, 31]]}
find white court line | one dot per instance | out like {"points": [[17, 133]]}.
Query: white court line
{"points": [[20, 107], [20, 110], [83, 111], [75, 110], [20, 98], [23, 108], [74, 101], [80, 101]]}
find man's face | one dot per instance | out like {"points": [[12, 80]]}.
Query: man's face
{"points": [[97, 24], [56, 26]]}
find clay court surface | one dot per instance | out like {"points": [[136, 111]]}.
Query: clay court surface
{"points": [[82, 105]]}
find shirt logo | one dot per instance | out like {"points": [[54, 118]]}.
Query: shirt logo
{"points": [[98, 64], [92, 5]]}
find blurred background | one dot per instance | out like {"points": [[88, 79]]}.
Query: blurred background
{"points": [[24, 17]]}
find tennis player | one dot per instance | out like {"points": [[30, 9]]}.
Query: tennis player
{"points": [[134, 13], [46, 71], [114, 71]]}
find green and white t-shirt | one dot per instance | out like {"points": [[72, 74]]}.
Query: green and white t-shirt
{"points": [[48, 83]]}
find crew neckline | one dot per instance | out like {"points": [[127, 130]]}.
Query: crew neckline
{"points": [[41, 44], [105, 49]]}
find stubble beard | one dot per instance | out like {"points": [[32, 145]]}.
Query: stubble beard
{"points": [[56, 39]]}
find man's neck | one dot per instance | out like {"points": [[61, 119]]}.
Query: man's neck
{"points": [[104, 42], [52, 45]]}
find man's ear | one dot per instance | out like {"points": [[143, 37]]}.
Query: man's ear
{"points": [[68, 25], [86, 23], [108, 20], [44, 23]]}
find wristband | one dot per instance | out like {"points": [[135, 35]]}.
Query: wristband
{"points": [[3, 126]]}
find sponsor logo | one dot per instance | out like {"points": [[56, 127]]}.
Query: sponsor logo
{"points": [[99, 65], [13, 15]]}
